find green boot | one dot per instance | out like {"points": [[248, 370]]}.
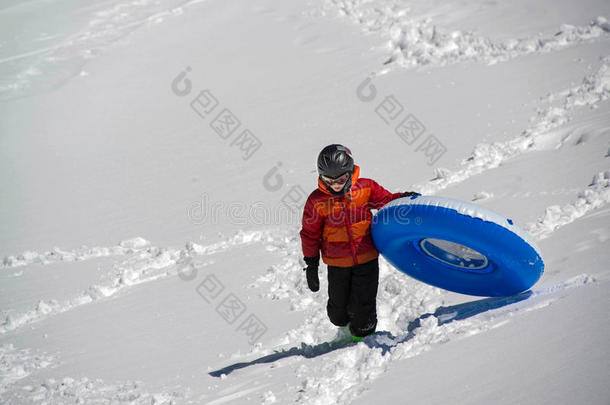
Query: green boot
{"points": [[357, 339]]}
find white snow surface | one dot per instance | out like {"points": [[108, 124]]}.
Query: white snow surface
{"points": [[155, 156]]}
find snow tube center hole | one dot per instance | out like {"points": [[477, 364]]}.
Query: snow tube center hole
{"points": [[454, 254]]}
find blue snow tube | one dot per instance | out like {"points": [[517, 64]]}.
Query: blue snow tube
{"points": [[456, 245]]}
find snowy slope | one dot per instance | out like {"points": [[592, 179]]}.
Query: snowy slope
{"points": [[148, 258]]}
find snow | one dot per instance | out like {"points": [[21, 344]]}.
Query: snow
{"points": [[150, 256]]}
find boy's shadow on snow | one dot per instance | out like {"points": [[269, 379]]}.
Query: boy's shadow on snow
{"points": [[442, 314]]}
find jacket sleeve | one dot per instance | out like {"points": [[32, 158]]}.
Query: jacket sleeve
{"points": [[380, 196], [311, 231]]}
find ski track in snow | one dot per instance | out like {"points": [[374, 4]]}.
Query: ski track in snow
{"points": [[84, 253], [414, 41], [594, 196], [144, 263], [595, 88]]}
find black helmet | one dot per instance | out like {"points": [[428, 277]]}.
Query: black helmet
{"points": [[334, 160]]}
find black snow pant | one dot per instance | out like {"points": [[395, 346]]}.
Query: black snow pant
{"points": [[352, 297]]}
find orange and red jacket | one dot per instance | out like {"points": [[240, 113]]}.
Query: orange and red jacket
{"points": [[340, 226]]}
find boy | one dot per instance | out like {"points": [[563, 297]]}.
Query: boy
{"points": [[337, 220]]}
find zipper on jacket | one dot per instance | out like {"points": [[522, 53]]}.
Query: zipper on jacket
{"points": [[349, 232]]}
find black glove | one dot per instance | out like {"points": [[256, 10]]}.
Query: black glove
{"points": [[311, 271], [410, 194]]}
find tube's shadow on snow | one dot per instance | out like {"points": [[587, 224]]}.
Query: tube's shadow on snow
{"points": [[468, 309], [384, 340]]}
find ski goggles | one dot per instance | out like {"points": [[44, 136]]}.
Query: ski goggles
{"points": [[336, 180]]}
